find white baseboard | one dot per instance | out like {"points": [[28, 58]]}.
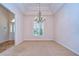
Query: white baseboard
{"points": [[67, 47], [37, 39], [17, 43]]}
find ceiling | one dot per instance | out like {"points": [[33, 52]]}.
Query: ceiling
{"points": [[33, 8]]}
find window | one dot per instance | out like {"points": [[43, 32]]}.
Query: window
{"points": [[38, 28], [12, 26]]}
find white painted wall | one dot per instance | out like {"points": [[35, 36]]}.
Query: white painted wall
{"points": [[3, 26], [28, 28], [67, 27], [19, 22]]}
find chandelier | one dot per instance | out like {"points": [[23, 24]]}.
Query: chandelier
{"points": [[39, 18]]}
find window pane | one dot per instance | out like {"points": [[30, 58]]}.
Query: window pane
{"points": [[38, 29]]}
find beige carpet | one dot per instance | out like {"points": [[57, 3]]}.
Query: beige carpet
{"points": [[38, 48]]}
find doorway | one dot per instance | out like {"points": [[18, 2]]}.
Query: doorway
{"points": [[7, 26]]}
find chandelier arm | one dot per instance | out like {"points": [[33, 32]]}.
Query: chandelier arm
{"points": [[39, 17]]}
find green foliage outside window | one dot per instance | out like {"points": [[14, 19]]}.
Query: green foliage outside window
{"points": [[38, 29]]}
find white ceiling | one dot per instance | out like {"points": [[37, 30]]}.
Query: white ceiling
{"points": [[33, 8]]}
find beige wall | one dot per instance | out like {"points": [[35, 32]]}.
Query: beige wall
{"points": [[28, 28]]}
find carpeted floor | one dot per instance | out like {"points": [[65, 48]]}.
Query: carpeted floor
{"points": [[38, 48], [5, 45]]}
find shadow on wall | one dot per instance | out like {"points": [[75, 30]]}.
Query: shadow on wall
{"points": [[5, 17]]}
